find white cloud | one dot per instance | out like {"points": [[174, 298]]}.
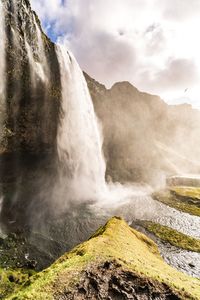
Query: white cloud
{"points": [[153, 44]]}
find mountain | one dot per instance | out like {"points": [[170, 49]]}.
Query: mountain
{"points": [[117, 262], [145, 138]]}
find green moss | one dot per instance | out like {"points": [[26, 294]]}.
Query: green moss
{"points": [[116, 240], [11, 280], [187, 192], [171, 199], [172, 236]]}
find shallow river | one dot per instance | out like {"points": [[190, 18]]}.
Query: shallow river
{"points": [[143, 207]]}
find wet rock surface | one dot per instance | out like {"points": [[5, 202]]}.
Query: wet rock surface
{"points": [[31, 85], [110, 282]]}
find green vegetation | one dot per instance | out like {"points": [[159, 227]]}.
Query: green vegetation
{"points": [[116, 240], [187, 192], [12, 279], [175, 200], [172, 236]]}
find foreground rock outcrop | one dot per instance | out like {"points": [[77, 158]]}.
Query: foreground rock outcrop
{"points": [[117, 262]]}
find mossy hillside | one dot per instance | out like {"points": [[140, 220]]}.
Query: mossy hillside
{"points": [[172, 236], [12, 279], [116, 240], [186, 191], [170, 199]]}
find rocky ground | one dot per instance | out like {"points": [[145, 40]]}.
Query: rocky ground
{"points": [[110, 281]]}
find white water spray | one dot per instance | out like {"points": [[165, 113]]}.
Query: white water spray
{"points": [[79, 141]]}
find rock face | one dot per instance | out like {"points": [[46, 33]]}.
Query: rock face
{"points": [[117, 262], [110, 281], [30, 94], [30, 106], [144, 137]]}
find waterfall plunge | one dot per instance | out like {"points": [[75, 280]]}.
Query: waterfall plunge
{"points": [[79, 141]]}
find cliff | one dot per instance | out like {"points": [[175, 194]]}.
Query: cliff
{"points": [[144, 137], [30, 94], [30, 83]]}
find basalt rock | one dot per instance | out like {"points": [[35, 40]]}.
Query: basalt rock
{"points": [[31, 83], [30, 95]]}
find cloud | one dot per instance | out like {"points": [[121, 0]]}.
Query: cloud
{"points": [[179, 10], [177, 74], [153, 44]]}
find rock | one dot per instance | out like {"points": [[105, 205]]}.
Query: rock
{"points": [[142, 133], [191, 265], [32, 104]]}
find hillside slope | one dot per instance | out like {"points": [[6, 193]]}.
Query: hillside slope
{"points": [[117, 262], [144, 138]]}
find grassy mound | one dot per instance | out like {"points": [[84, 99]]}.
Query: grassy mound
{"points": [[114, 241], [172, 236], [174, 198], [187, 192]]}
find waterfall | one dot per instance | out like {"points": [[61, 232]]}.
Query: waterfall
{"points": [[79, 141], [41, 52], [2, 68], [37, 58], [79, 144]]}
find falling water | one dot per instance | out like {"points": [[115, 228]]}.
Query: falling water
{"points": [[79, 141], [37, 58], [41, 52], [35, 67], [2, 69]]}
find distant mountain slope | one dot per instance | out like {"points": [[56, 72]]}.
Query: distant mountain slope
{"points": [[117, 262], [144, 137]]}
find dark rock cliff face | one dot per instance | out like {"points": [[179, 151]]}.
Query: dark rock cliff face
{"points": [[32, 82], [109, 281], [144, 138], [29, 111], [31, 103]]}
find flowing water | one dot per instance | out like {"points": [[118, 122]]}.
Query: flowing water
{"points": [[41, 53], [144, 207], [79, 141], [79, 145], [37, 58]]}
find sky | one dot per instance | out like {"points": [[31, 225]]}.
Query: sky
{"points": [[154, 44]]}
